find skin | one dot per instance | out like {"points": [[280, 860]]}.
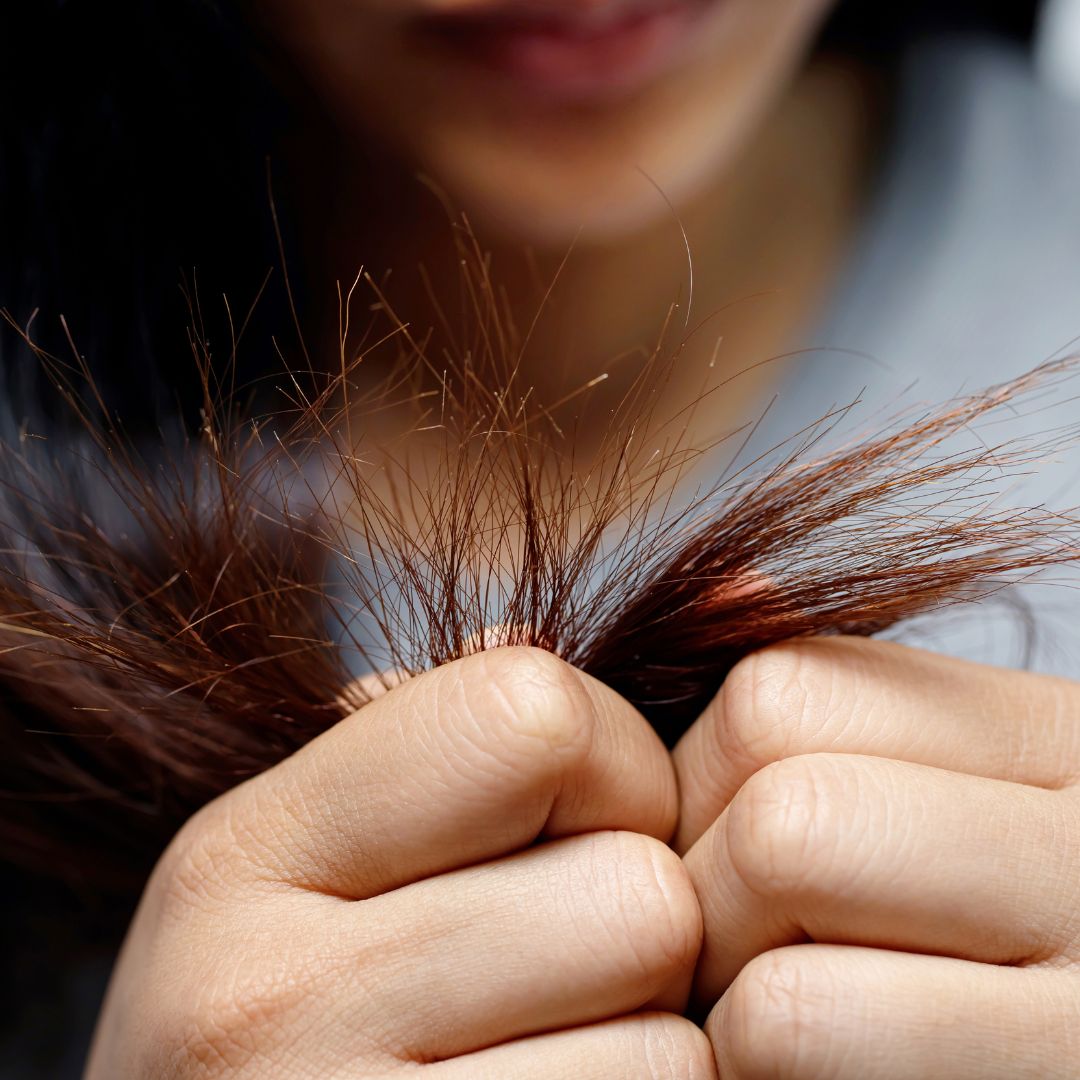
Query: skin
{"points": [[725, 136], [536, 168], [883, 844], [876, 879], [859, 862], [334, 919]]}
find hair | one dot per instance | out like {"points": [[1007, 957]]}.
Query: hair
{"points": [[883, 31], [178, 615], [119, 170]]}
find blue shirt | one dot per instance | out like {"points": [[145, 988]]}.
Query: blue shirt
{"points": [[965, 273]]}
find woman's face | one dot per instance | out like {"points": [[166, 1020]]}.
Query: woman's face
{"points": [[546, 117]]}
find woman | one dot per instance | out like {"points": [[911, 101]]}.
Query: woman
{"points": [[870, 870]]}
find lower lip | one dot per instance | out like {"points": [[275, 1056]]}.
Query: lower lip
{"points": [[571, 61]]}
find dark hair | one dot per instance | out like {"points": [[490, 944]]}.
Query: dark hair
{"points": [[884, 29], [132, 150]]}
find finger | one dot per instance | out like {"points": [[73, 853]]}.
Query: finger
{"points": [[566, 933], [852, 696], [364, 690], [841, 849], [457, 766], [820, 1012], [570, 932], [650, 1046]]}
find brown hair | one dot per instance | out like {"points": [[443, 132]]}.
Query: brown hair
{"points": [[210, 614]]}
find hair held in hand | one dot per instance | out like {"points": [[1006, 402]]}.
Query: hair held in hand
{"points": [[177, 617]]}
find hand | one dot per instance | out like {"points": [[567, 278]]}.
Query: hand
{"points": [[375, 903], [886, 849]]}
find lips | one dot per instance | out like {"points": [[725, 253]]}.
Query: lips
{"points": [[569, 50]]}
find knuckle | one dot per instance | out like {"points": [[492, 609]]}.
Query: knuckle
{"points": [[232, 1024], [764, 702], [198, 869], [657, 917], [533, 697], [239, 843], [775, 1019], [196, 1046], [784, 825], [666, 1047]]}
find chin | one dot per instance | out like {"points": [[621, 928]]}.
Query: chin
{"points": [[547, 201], [553, 224], [550, 177]]}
